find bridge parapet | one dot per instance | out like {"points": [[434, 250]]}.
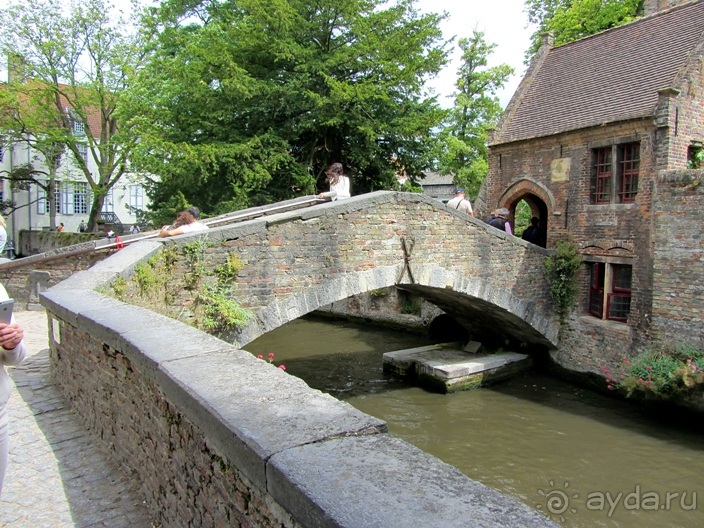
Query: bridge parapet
{"points": [[220, 437], [296, 262]]}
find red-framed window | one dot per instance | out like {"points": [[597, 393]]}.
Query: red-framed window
{"points": [[596, 290], [602, 167], [610, 291], [615, 173], [630, 166]]}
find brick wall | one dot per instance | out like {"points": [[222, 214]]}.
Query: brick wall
{"points": [[217, 437], [306, 260], [184, 479], [601, 231], [25, 278], [678, 281]]}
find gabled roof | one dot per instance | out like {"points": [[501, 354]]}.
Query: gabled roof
{"points": [[435, 178], [93, 117], [607, 77]]}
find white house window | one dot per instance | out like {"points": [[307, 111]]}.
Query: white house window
{"points": [[67, 198], [79, 128], [136, 198], [80, 197], [109, 203], [83, 151], [42, 202]]}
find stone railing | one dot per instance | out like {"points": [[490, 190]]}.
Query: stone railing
{"points": [[217, 437]]}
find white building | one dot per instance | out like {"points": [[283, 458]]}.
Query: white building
{"points": [[73, 194]]}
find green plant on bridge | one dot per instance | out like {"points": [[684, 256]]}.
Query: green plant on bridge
{"points": [[205, 295], [229, 270], [194, 253], [561, 270], [119, 288], [220, 310]]}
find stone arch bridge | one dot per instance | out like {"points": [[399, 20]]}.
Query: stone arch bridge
{"points": [[298, 261]]}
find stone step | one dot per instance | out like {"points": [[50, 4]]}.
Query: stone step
{"points": [[447, 367]]}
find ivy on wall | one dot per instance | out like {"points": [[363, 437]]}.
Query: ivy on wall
{"points": [[196, 294]]}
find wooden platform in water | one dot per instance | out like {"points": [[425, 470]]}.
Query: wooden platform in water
{"points": [[448, 368]]}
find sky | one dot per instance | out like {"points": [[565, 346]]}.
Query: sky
{"points": [[503, 22]]}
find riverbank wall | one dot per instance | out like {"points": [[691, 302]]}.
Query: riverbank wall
{"points": [[217, 437]]}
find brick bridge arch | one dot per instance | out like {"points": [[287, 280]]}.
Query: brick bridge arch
{"points": [[297, 262]]}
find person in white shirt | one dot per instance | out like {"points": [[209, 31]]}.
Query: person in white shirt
{"points": [[339, 183], [185, 223], [12, 352], [460, 203]]}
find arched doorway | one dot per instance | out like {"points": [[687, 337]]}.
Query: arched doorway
{"points": [[524, 209], [525, 199]]}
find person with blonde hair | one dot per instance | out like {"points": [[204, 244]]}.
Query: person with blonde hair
{"points": [[3, 234]]}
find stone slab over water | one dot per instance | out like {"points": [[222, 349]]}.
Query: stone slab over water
{"points": [[448, 368]]}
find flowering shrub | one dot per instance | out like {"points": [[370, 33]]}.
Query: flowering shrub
{"points": [[660, 373]]}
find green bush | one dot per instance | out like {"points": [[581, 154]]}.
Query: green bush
{"points": [[662, 373], [561, 271]]}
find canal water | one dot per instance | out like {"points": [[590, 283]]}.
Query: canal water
{"points": [[583, 458]]}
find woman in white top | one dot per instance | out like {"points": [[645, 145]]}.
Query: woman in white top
{"points": [[339, 183], [12, 352], [185, 223]]}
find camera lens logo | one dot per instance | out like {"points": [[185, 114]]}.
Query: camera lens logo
{"points": [[557, 501]]}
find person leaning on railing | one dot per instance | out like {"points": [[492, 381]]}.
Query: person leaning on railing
{"points": [[185, 223]]}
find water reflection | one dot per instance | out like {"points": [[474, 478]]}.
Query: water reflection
{"points": [[533, 437]]}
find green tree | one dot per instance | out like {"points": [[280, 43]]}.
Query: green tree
{"points": [[570, 20], [247, 103], [73, 64], [463, 140]]}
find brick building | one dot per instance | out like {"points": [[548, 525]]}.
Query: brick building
{"points": [[601, 140]]}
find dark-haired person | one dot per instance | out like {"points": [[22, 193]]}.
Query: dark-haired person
{"points": [[532, 232], [185, 223], [339, 183]]}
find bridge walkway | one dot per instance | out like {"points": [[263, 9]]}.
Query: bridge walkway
{"points": [[58, 476]]}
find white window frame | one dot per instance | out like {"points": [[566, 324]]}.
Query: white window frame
{"points": [[80, 197], [109, 202], [136, 198], [82, 150]]}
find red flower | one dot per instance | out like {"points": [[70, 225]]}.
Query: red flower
{"points": [[282, 367]]}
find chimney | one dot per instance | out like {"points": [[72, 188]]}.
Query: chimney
{"points": [[651, 7], [16, 68]]}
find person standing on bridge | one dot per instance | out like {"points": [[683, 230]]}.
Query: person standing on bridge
{"points": [[339, 183], [500, 220], [12, 352], [460, 203]]}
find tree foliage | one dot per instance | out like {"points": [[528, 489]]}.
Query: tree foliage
{"points": [[71, 66], [570, 20], [476, 108], [244, 103]]}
